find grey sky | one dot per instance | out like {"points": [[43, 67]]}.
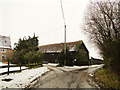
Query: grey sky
{"points": [[19, 18]]}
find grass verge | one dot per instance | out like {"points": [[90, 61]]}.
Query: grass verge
{"points": [[107, 79]]}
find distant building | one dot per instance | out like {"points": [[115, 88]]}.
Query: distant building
{"points": [[51, 51], [5, 47]]}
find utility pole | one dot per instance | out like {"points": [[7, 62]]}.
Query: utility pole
{"points": [[65, 46], [65, 33]]}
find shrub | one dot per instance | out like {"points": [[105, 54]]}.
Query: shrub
{"points": [[26, 49], [33, 57], [107, 79], [61, 58]]}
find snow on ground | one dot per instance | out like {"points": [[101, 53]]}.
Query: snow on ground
{"points": [[80, 67], [91, 67], [94, 68], [4, 64], [70, 68], [53, 64], [77, 67], [2, 70], [22, 79], [97, 65]]}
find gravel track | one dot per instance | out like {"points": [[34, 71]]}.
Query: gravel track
{"points": [[59, 78]]}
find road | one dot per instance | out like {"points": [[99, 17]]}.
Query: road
{"points": [[60, 78]]}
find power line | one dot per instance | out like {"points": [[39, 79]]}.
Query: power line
{"points": [[52, 30], [73, 11]]}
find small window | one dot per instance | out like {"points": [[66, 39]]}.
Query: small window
{"points": [[52, 54], [3, 57], [3, 50]]}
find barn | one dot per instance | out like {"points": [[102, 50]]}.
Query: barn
{"points": [[51, 51]]}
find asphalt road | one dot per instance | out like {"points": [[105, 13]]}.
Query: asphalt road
{"points": [[59, 78]]}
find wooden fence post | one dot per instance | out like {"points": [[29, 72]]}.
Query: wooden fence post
{"points": [[8, 66]]}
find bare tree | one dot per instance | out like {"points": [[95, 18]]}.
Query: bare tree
{"points": [[103, 26]]}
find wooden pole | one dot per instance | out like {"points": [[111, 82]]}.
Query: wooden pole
{"points": [[65, 33], [8, 66], [20, 67], [65, 46]]}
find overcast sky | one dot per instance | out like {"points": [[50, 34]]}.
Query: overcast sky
{"points": [[19, 18]]}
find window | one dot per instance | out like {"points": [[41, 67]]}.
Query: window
{"points": [[3, 57], [52, 54], [3, 50]]}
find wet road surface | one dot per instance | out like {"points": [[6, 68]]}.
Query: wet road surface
{"points": [[59, 78]]}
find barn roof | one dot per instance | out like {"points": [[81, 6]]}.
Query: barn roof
{"points": [[58, 47]]}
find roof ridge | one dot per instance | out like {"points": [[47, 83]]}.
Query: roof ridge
{"points": [[5, 36], [60, 43]]}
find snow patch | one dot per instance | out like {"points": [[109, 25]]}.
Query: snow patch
{"points": [[22, 79], [4, 64], [94, 68], [2, 70], [77, 67], [53, 64]]}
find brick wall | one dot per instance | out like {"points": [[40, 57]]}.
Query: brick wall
{"points": [[4, 53]]}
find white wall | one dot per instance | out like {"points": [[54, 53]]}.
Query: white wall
{"points": [[5, 41]]}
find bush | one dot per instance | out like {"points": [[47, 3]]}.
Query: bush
{"points": [[33, 57], [17, 58], [107, 79], [69, 58], [26, 49], [61, 58]]}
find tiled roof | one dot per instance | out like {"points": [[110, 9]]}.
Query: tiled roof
{"points": [[58, 47]]}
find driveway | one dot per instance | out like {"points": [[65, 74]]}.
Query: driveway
{"points": [[59, 77]]}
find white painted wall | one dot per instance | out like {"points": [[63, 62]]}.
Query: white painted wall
{"points": [[5, 42]]}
